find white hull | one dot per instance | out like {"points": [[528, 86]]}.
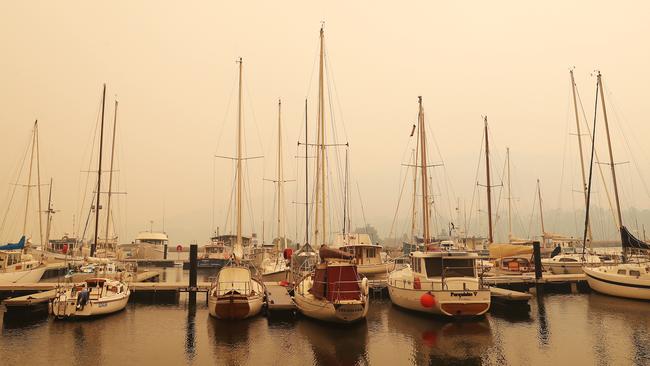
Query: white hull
{"points": [[375, 269], [618, 285], [563, 268], [460, 303], [67, 308], [344, 311], [29, 276], [277, 276]]}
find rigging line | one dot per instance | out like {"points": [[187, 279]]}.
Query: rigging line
{"points": [[600, 169], [620, 118], [226, 115], [19, 169], [332, 79], [313, 67], [474, 191], [564, 157], [444, 168], [363, 212], [591, 168], [214, 193]]}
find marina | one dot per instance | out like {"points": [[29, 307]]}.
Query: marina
{"points": [[336, 183]]}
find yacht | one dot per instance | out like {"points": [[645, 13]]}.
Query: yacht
{"points": [[147, 245], [93, 297], [368, 256], [443, 283], [17, 267], [333, 291]]}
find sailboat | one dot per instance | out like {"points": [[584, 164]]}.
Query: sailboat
{"points": [[274, 266], [97, 295], [631, 279], [438, 282], [16, 265], [235, 294], [333, 290]]}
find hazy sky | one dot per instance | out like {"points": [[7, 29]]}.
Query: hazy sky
{"points": [[172, 67]]}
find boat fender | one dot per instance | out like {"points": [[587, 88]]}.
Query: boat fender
{"points": [[427, 300], [364, 286]]}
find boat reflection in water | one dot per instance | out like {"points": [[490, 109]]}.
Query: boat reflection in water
{"points": [[440, 340], [333, 344]]}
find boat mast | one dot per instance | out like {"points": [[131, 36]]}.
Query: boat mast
{"points": [[413, 205], [423, 167], [320, 164], [541, 213], [582, 159], [489, 186], [48, 225], [306, 176], [110, 178], [509, 197], [38, 184], [346, 198], [93, 247], [281, 228], [29, 178], [611, 155], [238, 243]]}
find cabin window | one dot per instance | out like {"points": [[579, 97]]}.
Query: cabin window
{"points": [[416, 264], [568, 260], [635, 273], [452, 267], [621, 271]]}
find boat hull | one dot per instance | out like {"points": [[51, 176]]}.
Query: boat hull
{"points": [[30, 276], [618, 285], [454, 303], [277, 276], [563, 268], [343, 312], [67, 308], [235, 307]]}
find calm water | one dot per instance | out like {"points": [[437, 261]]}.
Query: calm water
{"points": [[559, 329]]}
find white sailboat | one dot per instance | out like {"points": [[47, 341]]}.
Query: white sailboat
{"points": [[16, 265], [235, 294], [630, 280], [442, 282], [99, 295], [332, 291]]}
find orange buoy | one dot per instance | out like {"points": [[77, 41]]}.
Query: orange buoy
{"points": [[427, 300]]}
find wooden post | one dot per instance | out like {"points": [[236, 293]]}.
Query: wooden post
{"points": [[538, 260], [193, 267]]}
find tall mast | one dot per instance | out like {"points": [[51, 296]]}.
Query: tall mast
{"points": [[541, 213], [423, 167], [611, 155], [509, 197], [93, 247], [38, 184], [110, 176], [281, 231], [29, 178], [579, 135], [48, 225], [346, 198], [321, 213], [238, 208], [413, 205], [489, 185], [306, 176]]}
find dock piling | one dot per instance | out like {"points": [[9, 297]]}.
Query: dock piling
{"points": [[193, 267], [537, 254]]}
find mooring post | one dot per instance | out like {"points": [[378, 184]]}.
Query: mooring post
{"points": [[193, 265], [165, 252], [537, 254]]}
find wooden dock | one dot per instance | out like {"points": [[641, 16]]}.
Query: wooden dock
{"points": [[529, 279], [509, 296], [278, 299]]}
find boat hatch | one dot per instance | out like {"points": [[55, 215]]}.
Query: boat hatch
{"points": [[336, 283]]}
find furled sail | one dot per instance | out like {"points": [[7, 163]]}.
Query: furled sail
{"points": [[628, 241], [14, 246]]}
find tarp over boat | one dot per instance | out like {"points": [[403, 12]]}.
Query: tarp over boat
{"points": [[509, 250], [628, 241], [14, 246]]}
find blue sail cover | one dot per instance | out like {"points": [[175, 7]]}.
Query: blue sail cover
{"points": [[10, 246]]}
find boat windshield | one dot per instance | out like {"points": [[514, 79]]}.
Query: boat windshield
{"points": [[451, 267]]}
